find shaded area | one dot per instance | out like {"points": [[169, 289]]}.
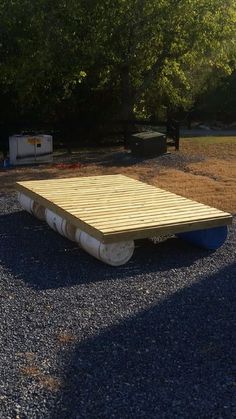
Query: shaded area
{"points": [[44, 259], [176, 359], [123, 158], [112, 158], [80, 339]]}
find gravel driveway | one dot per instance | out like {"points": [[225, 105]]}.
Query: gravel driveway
{"points": [[79, 339]]}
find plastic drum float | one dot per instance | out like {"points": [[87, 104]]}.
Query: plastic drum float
{"points": [[114, 254]]}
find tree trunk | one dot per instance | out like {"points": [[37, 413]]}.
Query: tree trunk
{"points": [[127, 110]]}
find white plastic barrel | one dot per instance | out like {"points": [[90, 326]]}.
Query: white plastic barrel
{"points": [[114, 254], [69, 230], [59, 224], [54, 221], [38, 210], [26, 202], [31, 206]]}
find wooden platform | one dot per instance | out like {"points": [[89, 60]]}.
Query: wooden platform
{"points": [[113, 208]]}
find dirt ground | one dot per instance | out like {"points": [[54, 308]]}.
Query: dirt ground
{"points": [[204, 169]]}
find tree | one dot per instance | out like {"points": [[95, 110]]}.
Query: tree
{"points": [[167, 47], [62, 57]]}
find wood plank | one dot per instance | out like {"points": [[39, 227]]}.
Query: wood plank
{"points": [[131, 224], [104, 196], [130, 209], [132, 203], [122, 217], [113, 198], [107, 201], [87, 189], [102, 214]]}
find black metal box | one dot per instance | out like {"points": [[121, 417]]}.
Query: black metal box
{"points": [[148, 144]]}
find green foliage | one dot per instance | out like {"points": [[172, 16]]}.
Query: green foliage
{"points": [[106, 57], [219, 100]]}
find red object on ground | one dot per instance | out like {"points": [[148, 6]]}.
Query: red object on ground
{"points": [[68, 165]]}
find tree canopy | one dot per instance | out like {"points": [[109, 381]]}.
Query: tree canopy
{"points": [[112, 59]]}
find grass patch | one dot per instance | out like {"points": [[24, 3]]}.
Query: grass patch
{"points": [[66, 338], [45, 381], [210, 140]]}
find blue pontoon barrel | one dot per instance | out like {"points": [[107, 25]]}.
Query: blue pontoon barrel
{"points": [[211, 238]]}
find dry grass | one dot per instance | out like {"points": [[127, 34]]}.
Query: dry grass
{"points": [[50, 383], [210, 179], [44, 380], [212, 147], [65, 338], [30, 371], [220, 194], [33, 371]]}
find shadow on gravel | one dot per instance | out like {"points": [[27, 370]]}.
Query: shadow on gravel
{"points": [[172, 361], [31, 251], [104, 158], [115, 159]]}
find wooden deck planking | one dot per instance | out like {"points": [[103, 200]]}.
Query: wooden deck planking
{"points": [[153, 217], [116, 207]]}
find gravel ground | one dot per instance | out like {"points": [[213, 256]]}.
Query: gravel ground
{"points": [[79, 339]]}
